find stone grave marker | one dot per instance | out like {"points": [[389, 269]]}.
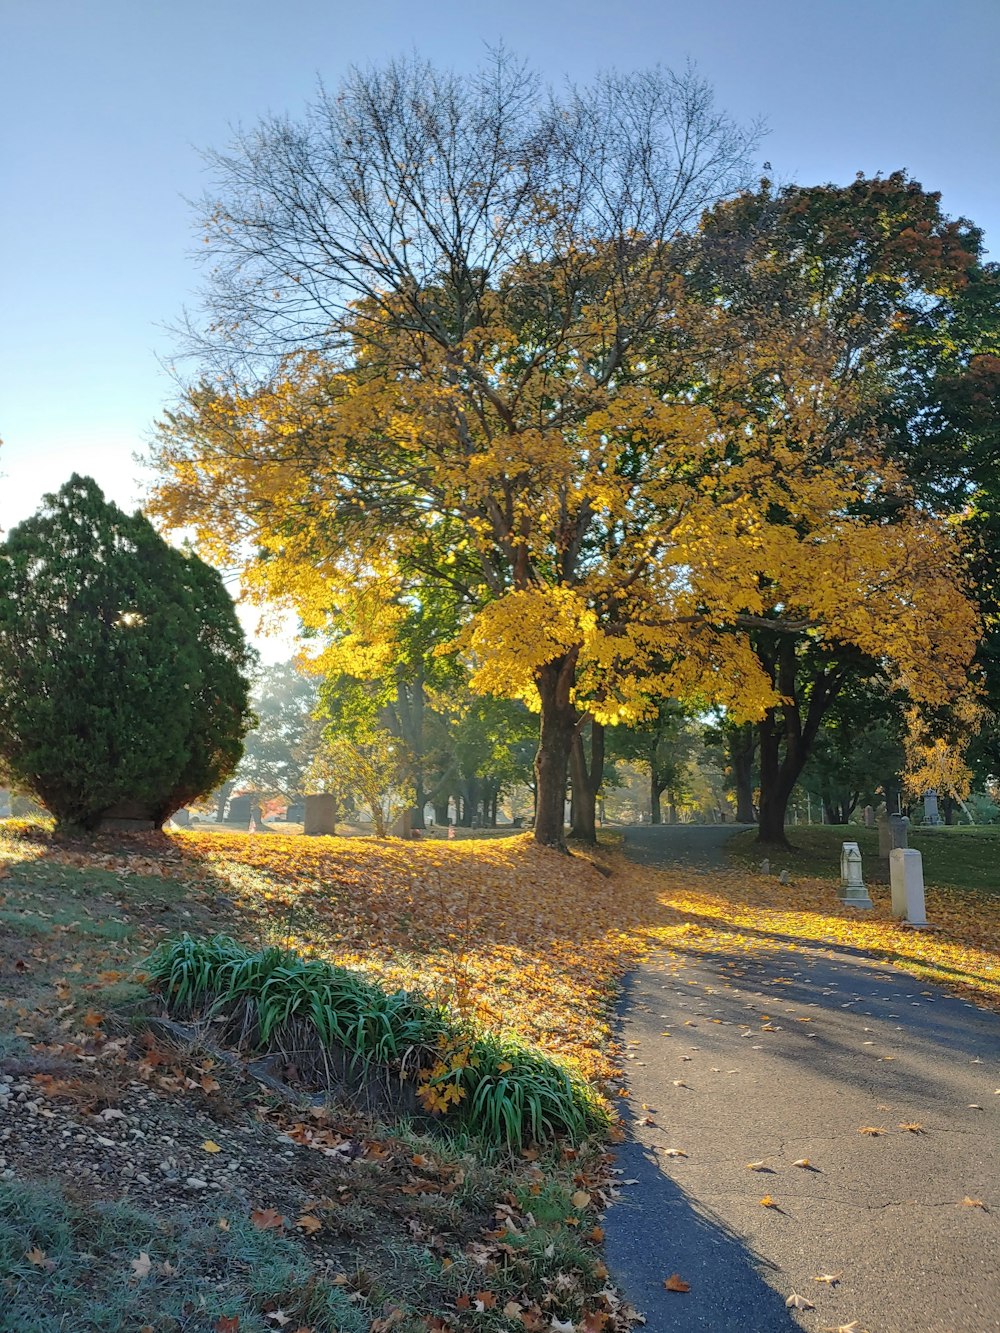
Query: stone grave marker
{"points": [[320, 814]]}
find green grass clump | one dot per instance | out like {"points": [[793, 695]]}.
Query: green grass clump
{"points": [[502, 1091], [71, 1266]]}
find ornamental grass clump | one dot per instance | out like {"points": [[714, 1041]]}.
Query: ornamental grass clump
{"points": [[335, 1018]]}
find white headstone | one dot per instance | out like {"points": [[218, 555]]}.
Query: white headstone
{"points": [[852, 885], [906, 880]]}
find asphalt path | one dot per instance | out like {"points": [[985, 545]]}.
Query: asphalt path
{"points": [[783, 1055]]}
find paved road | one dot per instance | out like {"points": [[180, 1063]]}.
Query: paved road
{"points": [[782, 1055]]}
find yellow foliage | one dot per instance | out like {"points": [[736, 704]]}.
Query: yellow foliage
{"points": [[580, 516]]}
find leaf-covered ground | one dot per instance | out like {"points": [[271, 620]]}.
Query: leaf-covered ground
{"points": [[535, 941], [521, 938]]}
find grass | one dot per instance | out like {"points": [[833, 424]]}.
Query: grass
{"points": [[960, 857], [107, 1268], [495, 1087]]}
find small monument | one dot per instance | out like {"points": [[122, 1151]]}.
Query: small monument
{"points": [[869, 817], [320, 814], [852, 885], [931, 814], [402, 825], [5, 807], [765, 866], [906, 879], [238, 811]]}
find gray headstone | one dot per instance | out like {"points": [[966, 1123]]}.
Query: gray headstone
{"points": [[869, 817], [931, 814], [320, 815], [238, 811]]}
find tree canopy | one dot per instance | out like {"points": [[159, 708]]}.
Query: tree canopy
{"points": [[496, 365]]}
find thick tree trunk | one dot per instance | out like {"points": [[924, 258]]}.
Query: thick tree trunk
{"points": [[558, 727], [225, 791], [786, 738], [441, 815], [778, 776], [654, 801], [586, 782]]}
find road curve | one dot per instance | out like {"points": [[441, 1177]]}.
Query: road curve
{"points": [[782, 1055]]}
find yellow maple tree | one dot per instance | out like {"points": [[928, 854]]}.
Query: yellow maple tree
{"points": [[508, 389]]}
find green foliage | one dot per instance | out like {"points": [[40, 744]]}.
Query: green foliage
{"points": [[83, 1275], [122, 663], [509, 1093]]}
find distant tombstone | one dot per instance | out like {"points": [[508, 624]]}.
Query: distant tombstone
{"points": [[5, 810], [296, 813], [852, 885], [238, 811], [869, 817], [765, 866], [906, 878], [181, 818], [402, 827], [320, 814], [931, 814], [899, 826]]}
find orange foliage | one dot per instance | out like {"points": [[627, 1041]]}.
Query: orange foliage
{"points": [[532, 942]]}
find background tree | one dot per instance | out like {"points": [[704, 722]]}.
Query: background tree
{"points": [[277, 752], [902, 291], [122, 663], [664, 745]]}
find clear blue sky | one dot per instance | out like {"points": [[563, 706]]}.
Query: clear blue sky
{"points": [[105, 104]]}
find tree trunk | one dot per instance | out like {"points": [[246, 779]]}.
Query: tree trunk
{"points": [[556, 732], [419, 801], [225, 791], [586, 782], [742, 744], [778, 777], [441, 815], [784, 726], [654, 800]]}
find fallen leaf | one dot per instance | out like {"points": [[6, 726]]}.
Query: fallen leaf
{"points": [[676, 1283], [758, 1166], [309, 1224], [211, 1146], [267, 1219], [803, 1161], [673, 1152], [768, 1202], [797, 1302], [912, 1126], [39, 1258], [973, 1203], [142, 1265], [831, 1279], [873, 1130], [580, 1199], [227, 1323]]}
